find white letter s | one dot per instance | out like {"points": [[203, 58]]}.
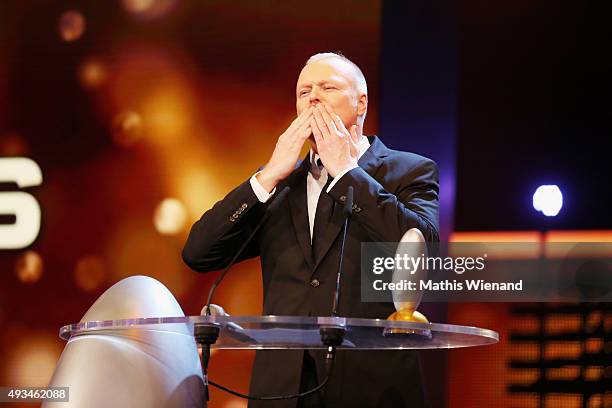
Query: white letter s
{"points": [[26, 173]]}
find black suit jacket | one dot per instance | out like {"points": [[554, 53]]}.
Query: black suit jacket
{"points": [[393, 192]]}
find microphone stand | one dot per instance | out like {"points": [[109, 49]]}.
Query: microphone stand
{"points": [[207, 334], [271, 208], [332, 336], [348, 212]]}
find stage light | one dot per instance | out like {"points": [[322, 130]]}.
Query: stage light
{"points": [[90, 273], [127, 128], [548, 200], [168, 109], [168, 113], [170, 217], [71, 25], [92, 73], [235, 403], [149, 9], [138, 6], [197, 188], [29, 267]]}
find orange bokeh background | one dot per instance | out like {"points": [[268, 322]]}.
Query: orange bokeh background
{"points": [[141, 116]]}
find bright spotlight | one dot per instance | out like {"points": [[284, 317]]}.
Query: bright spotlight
{"points": [[548, 200], [170, 216]]}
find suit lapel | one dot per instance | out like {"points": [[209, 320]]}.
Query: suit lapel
{"points": [[373, 157], [370, 161], [298, 203]]}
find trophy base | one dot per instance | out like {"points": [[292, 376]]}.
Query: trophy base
{"points": [[407, 315]]}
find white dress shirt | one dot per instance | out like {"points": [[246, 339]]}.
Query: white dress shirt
{"points": [[315, 181]]}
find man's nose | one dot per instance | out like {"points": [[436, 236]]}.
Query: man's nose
{"points": [[314, 96]]}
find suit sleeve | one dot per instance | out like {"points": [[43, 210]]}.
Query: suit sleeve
{"points": [[215, 238], [386, 215]]}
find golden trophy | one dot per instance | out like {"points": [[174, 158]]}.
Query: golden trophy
{"points": [[412, 245]]}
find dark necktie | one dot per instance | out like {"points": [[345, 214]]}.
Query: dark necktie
{"points": [[323, 214]]}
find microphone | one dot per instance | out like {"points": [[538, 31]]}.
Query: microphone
{"points": [[272, 207], [207, 334], [348, 212]]}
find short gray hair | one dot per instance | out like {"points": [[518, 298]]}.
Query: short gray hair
{"points": [[362, 85]]}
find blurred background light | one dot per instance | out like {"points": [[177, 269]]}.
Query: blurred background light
{"points": [[149, 9], [11, 144], [71, 25], [29, 267], [92, 73], [90, 273], [548, 200], [169, 113], [170, 217], [235, 403], [135, 248], [127, 128], [33, 358], [197, 188], [165, 100]]}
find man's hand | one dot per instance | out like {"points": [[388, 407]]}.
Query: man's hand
{"points": [[336, 146], [287, 151]]}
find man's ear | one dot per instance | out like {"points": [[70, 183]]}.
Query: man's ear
{"points": [[362, 104]]}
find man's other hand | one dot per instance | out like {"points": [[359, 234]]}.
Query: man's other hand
{"points": [[287, 151]]}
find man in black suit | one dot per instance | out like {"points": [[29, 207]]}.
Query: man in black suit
{"points": [[299, 244]]}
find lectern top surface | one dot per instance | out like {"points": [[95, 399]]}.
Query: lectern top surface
{"points": [[295, 332]]}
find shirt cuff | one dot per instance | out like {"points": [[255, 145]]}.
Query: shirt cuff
{"points": [[335, 180], [260, 192]]}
